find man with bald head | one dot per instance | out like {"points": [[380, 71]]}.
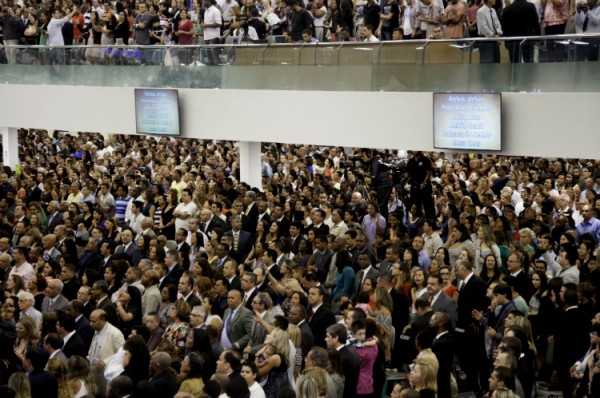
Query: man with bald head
{"points": [[162, 377], [50, 251], [106, 342]]}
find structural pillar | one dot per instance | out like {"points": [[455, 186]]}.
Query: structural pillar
{"points": [[250, 163], [10, 146]]}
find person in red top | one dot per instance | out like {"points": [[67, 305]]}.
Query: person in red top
{"points": [[77, 21], [186, 33]]}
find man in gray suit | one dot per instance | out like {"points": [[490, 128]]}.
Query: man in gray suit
{"points": [[260, 303], [440, 301], [367, 270], [54, 300], [392, 256], [53, 344], [238, 322]]}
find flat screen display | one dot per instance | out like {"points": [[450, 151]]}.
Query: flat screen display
{"points": [[467, 121], [157, 111]]}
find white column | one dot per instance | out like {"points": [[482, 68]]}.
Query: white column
{"points": [[10, 146], [250, 163]]}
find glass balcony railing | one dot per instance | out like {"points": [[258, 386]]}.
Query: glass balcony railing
{"points": [[567, 63]]}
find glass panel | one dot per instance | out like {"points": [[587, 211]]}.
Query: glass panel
{"points": [[549, 63]]}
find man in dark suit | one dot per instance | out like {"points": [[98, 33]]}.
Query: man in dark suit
{"points": [[295, 236], [336, 336], [237, 324], [279, 217], [82, 324], [317, 216], [321, 259], [519, 19], [297, 316], [241, 239], [521, 282], [129, 249], [571, 338], [251, 213], [440, 301], [174, 270], [443, 348], [73, 343], [55, 217], [186, 288], [100, 295], [91, 259], [43, 384], [367, 270], [162, 378], [208, 222], [249, 291], [318, 316], [269, 259], [230, 364], [71, 282], [470, 344], [230, 272], [183, 248]]}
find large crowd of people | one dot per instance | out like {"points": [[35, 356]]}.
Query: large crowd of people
{"points": [[137, 265], [186, 22]]}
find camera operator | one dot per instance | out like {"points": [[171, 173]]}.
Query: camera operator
{"points": [[418, 171], [379, 178]]}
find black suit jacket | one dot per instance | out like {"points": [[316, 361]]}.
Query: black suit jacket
{"points": [[307, 338], [43, 384], [175, 274], [471, 297], [237, 386], [193, 300], [133, 253], [244, 243], [400, 313], [351, 367], [71, 288], [75, 346], [295, 243], [165, 384], [85, 331], [110, 309], [523, 284], [520, 19], [89, 260], [319, 322], [235, 284], [249, 299], [572, 337], [443, 348], [57, 220], [250, 220]]}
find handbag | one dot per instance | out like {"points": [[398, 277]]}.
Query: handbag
{"points": [[31, 31]]}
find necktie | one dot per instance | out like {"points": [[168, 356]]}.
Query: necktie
{"points": [[228, 323], [585, 22], [310, 314], [461, 284], [50, 304], [430, 299], [245, 299], [236, 240], [492, 18]]}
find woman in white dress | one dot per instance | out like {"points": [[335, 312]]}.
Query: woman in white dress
{"points": [[80, 378]]}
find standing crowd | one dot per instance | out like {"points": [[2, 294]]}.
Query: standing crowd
{"points": [[133, 265], [187, 22]]}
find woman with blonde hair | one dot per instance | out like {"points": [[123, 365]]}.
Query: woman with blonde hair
{"points": [[295, 336], [307, 387], [27, 335], [80, 378], [19, 382], [275, 365], [58, 369], [423, 377]]}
